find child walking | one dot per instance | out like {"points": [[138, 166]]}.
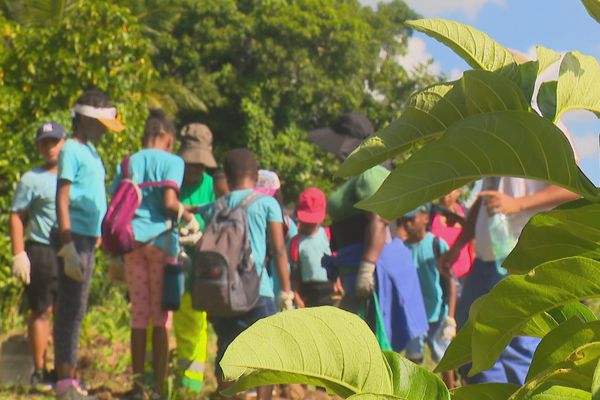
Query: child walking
{"points": [[157, 244], [309, 278], [265, 225], [80, 206], [33, 215], [439, 291]]}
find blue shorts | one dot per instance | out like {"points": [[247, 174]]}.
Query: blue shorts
{"points": [[227, 329], [513, 363], [437, 345]]}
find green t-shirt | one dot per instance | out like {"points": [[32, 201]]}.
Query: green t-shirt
{"points": [[197, 196], [341, 202]]}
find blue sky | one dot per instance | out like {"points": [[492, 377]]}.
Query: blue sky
{"points": [[561, 25]]}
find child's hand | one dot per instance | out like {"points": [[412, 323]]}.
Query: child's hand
{"points": [[74, 269], [286, 300], [449, 329], [365, 279], [338, 287], [22, 267], [298, 301]]}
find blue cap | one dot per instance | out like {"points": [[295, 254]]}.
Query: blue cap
{"points": [[421, 209], [50, 130]]}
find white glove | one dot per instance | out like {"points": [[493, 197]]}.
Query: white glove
{"points": [[22, 267], [449, 328], [185, 260], [74, 269], [192, 226], [190, 240], [365, 279], [286, 300]]}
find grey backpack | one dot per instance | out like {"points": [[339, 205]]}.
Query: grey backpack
{"points": [[224, 280]]}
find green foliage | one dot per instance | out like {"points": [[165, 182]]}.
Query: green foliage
{"points": [[562, 232], [593, 8], [269, 71], [343, 356], [484, 391], [43, 69], [465, 134]]}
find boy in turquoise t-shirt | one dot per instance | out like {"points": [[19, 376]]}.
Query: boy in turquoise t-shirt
{"points": [[439, 291], [265, 225], [33, 215]]}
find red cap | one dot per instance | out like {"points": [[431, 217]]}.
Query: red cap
{"points": [[312, 206]]}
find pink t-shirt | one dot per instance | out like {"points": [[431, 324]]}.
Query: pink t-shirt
{"points": [[463, 264]]}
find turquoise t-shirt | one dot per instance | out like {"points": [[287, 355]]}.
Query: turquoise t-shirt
{"points": [[36, 194], [80, 164], [292, 231], [429, 275], [151, 219], [311, 250], [260, 213]]}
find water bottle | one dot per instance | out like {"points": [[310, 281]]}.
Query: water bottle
{"points": [[503, 241]]}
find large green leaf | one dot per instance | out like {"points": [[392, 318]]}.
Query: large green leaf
{"points": [[518, 298], [593, 8], [578, 84], [372, 396], [486, 91], [321, 346], [546, 100], [484, 391], [596, 383], [545, 58], [475, 47], [551, 391], [506, 143], [459, 352], [570, 230], [574, 372], [561, 342], [428, 114], [414, 382]]}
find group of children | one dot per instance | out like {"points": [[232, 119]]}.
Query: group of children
{"points": [[56, 220]]}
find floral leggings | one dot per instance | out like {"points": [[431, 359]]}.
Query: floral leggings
{"points": [[144, 269]]}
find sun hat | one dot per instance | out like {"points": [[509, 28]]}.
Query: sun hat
{"points": [[312, 206], [196, 145], [268, 182], [345, 135], [106, 115], [50, 130]]}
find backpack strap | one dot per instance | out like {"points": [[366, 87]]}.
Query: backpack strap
{"points": [[437, 247], [327, 232], [125, 171], [295, 249], [251, 198]]}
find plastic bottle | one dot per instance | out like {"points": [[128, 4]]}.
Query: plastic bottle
{"points": [[503, 241]]}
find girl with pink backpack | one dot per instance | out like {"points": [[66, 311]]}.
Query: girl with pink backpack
{"points": [[158, 175]]}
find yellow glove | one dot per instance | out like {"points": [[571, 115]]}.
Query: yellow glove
{"points": [[21, 267]]}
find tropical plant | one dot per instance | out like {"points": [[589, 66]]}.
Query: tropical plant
{"points": [[480, 125]]}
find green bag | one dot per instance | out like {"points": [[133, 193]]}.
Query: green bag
{"points": [[380, 332]]}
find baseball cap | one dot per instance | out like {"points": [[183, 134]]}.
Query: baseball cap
{"points": [[268, 182], [312, 206], [196, 145], [345, 135], [50, 130]]}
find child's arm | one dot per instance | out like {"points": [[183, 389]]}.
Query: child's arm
{"points": [[279, 255], [17, 231], [451, 285], [296, 282], [62, 211]]}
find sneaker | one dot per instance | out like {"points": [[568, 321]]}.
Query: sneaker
{"points": [[40, 382], [74, 393]]}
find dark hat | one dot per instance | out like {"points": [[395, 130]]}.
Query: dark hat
{"points": [[50, 130], [345, 135], [196, 145], [425, 208]]}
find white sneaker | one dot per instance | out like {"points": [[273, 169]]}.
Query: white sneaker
{"points": [[74, 393]]}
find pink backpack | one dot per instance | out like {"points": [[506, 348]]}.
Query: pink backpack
{"points": [[117, 232]]}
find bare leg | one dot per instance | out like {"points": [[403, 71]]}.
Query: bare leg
{"points": [[448, 378], [138, 354], [160, 353], [38, 331], [264, 392]]}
